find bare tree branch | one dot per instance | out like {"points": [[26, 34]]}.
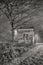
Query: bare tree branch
{"points": [[22, 20], [4, 13]]}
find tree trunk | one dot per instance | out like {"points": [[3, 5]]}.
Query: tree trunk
{"points": [[12, 32]]}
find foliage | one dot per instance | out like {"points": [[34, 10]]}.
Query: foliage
{"points": [[5, 53]]}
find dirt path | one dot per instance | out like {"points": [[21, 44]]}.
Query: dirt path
{"points": [[32, 51]]}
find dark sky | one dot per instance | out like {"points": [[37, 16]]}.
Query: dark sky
{"points": [[5, 29]]}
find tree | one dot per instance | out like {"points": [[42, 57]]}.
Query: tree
{"points": [[7, 7], [11, 8]]}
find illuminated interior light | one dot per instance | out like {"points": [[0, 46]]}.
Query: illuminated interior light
{"points": [[37, 38], [15, 32], [33, 37]]}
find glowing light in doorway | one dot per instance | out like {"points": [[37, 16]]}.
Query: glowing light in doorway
{"points": [[15, 32], [37, 38]]}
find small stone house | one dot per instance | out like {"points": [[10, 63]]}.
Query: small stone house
{"points": [[24, 35]]}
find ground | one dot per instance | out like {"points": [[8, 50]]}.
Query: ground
{"points": [[33, 56]]}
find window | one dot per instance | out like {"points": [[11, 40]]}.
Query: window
{"points": [[25, 36]]}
